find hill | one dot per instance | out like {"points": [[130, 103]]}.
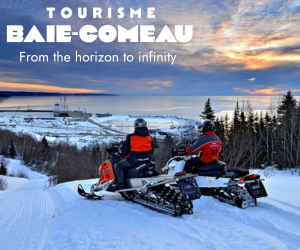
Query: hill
{"points": [[36, 217]]}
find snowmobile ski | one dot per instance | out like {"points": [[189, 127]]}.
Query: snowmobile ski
{"points": [[93, 196]]}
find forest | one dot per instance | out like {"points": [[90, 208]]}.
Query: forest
{"points": [[252, 139]]}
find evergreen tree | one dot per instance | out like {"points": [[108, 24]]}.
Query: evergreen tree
{"points": [[220, 128], [45, 144], [288, 144], [236, 118], [268, 119], [3, 169], [155, 142], [12, 150], [256, 122], [287, 106], [243, 119], [250, 118], [274, 120], [208, 112], [261, 122], [226, 125], [267, 136], [95, 154]]}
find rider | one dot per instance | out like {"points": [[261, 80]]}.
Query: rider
{"points": [[208, 143], [136, 150]]}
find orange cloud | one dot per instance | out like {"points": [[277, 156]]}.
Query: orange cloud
{"points": [[252, 79], [269, 91], [263, 60], [44, 88]]}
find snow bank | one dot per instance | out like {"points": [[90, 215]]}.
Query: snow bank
{"points": [[15, 167]]}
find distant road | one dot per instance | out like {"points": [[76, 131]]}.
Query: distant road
{"points": [[119, 133]]}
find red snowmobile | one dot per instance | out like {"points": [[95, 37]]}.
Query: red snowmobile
{"points": [[146, 186]]}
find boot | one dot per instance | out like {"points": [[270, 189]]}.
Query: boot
{"points": [[122, 185]]}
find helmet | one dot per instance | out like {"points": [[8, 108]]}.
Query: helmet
{"points": [[206, 126], [140, 122]]}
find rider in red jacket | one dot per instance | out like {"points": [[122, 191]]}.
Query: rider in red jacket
{"points": [[208, 145]]}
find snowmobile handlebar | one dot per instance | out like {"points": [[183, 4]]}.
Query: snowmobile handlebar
{"points": [[115, 148], [179, 149]]}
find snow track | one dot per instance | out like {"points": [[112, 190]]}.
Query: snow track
{"points": [[32, 217], [26, 214], [265, 226]]}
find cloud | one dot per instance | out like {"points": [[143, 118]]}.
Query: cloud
{"points": [[231, 38], [18, 77], [33, 87], [268, 91], [236, 88], [252, 79], [158, 82]]}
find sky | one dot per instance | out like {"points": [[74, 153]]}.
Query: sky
{"points": [[244, 47]]}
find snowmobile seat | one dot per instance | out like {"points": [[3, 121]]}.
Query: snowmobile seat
{"points": [[213, 166], [235, 173], [240, 172], [215, 169], [146, 169]]}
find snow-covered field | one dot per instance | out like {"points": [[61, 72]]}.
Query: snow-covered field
{"points": [[33, 216], [81, 132]]}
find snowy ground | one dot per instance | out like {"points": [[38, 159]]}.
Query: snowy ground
{"points": [[33, 216], [80, 132]]}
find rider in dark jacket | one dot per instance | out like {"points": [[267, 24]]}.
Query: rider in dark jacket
{"points": [[208, 145], [136, 150]]}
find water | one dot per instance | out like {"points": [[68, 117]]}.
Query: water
{"points": [[184, 106]]}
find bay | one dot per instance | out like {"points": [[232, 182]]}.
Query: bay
{"points": [[184, 106]]}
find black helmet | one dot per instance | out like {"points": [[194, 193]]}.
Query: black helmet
{"points": [[206, 126], [140, 123]]}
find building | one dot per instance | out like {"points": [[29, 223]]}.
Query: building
{"points": [[103, 114]]}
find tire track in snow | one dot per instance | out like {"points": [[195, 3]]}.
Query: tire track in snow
{"points": [[29, 223], [264, 220], [9, 217], [280, 223]]}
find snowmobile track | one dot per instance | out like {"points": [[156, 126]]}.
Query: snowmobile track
{"points": [[33, 208]]}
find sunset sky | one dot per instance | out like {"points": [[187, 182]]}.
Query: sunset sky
{"points": [[238, 48]]}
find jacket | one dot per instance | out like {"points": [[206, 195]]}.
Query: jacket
{"points": [[209, 144], [138, 146]]}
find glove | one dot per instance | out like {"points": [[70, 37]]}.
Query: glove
{"points": [[181, 151]]}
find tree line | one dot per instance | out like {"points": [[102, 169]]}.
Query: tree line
{"points": [[63, 161], [248, 139], [251, 139]]}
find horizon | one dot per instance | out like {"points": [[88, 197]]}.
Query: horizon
{"points": [[174, 95]]}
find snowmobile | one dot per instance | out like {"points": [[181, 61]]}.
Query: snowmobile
{"points": [[234, 186], [146, 187]]}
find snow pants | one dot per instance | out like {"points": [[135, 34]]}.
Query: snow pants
{"points": [[192, 165], [121, 166]]}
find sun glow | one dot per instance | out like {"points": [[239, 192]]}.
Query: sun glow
{"points": [[34, 87], [267, 91]]}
